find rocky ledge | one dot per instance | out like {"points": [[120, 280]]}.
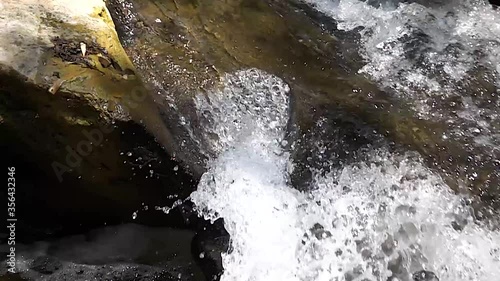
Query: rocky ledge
{"points": [[71, 109]]}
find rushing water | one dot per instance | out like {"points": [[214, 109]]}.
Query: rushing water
{"points": [[387, 215], [441, 56]]}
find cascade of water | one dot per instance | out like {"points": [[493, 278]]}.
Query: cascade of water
{"points": [[440, 56], [387, 216]]}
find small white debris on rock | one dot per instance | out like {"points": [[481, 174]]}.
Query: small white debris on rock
{"points": [[83, 47]]}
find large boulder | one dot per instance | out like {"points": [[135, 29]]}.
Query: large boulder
{"points": [[69, 97]]}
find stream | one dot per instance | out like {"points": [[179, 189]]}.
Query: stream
{"points": [[253, 140], [383, 215]]}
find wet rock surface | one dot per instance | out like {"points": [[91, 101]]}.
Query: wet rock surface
{"points": [[207, 248], [69, 96], [117, 272], [127, 252], [425, 276], [46, 265], [304, 48], [66, 109], [122, 173]]}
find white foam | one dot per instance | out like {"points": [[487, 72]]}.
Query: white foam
{"points": [[428, 52], [336, 230], [385, 30], [252, 103]]}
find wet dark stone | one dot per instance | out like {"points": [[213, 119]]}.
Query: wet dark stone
{"points": [[425, 275], [142, 274], [354, 273], [319, 231], [207, 247], [458, 225], [46, 265], [103, 188], [396, 266]]}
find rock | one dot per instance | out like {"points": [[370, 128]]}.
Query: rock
{"points": [[424, 275], [46, 265], [207, 247], [115, 272], [12, 277], [174, 42], [49, 37], [319, 232], [70, 146], [180, 55], [120, 253], [389, 245]]}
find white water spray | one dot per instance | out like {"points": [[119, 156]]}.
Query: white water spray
{"points": [[443, 57], [388, 216]]}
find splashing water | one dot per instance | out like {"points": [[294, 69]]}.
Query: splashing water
{"points": [[252, 103], [409, 45], [441, 56], [388, 216]]}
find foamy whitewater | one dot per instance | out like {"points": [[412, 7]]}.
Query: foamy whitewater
{"points": [[441, 56], [388, 216]]}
